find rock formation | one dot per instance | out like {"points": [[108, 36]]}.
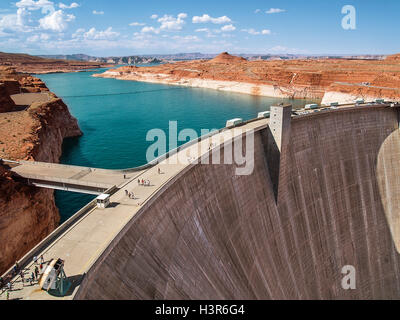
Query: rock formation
{"points": [[225, 57], [394, 57], [31, 64], [6, 103], [340, 80], [28, 214]]}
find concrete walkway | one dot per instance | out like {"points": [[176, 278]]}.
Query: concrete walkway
{"points": [[84, 242], [54, 175]]}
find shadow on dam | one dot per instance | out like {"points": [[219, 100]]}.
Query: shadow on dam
{"points": [[210, 234]]}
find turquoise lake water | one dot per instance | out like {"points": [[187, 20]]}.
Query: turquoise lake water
{"points": [[116, 115]]}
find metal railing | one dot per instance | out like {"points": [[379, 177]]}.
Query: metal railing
{"points": [[52, 237], [64, 180]]}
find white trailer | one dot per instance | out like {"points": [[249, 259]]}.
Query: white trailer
{"points": [[234, 122]]}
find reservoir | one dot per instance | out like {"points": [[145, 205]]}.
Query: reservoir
{"points": [[115, 116]]}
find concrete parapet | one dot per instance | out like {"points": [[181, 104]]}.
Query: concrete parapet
{"points": [[277, 141]]}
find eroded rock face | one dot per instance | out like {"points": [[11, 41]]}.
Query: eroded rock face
{"points": [[394, 57], [306, 78], [6, 103], [27, 214], [32, 64]]}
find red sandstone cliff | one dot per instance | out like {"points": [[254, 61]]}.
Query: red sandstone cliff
{"points": [[32, 64], [28, 214], [6, 104], [307, 78]]}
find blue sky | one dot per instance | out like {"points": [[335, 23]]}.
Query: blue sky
{"points": [[126, 27]]}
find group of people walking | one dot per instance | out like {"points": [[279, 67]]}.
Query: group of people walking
{"points": [[141, 182], [144, 182], [26, 278], [129, 194]]}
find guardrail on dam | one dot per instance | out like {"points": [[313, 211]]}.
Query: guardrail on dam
{"points": [[212, 235], [323, 197]]}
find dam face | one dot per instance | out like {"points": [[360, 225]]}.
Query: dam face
{"points": [[210, 234]]}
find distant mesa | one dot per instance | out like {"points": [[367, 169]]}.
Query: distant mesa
{"points": [[225, 57], [394, 57]]}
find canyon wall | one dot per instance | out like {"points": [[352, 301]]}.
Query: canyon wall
{"points": [[329, 80], [29, 214], [210, 234], [6, 103], [28, 64]]}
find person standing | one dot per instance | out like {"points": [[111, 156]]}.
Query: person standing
{"points": [[35, 259], [37, 272], [8, 295], [41, 259], [22, 278], [32, 278]]}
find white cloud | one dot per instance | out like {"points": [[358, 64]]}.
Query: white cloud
{"points": [[257, 11], [36, 37], [228, 28], [209, 33], [251, 31], [78, 33], [186, 38], [73, 5], [16, 22], [31, 5], [154, 16], [150, 30], [203, 30], [33, 38], [171, 23], [44, 36], [275, 10], [98, 12], [255, 32], [281, 49], [56, 21], [24, 20], [205, 18], [107, 34], [135, 24]]}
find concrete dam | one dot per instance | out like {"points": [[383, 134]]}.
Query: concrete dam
{"points": [[329, 198], [214, 235]]}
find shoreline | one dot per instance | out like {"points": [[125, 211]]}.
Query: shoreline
{"points": [[273, 91], [264, 90]]}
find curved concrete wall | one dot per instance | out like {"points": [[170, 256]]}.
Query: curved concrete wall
{"points": [[214, 235]]}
